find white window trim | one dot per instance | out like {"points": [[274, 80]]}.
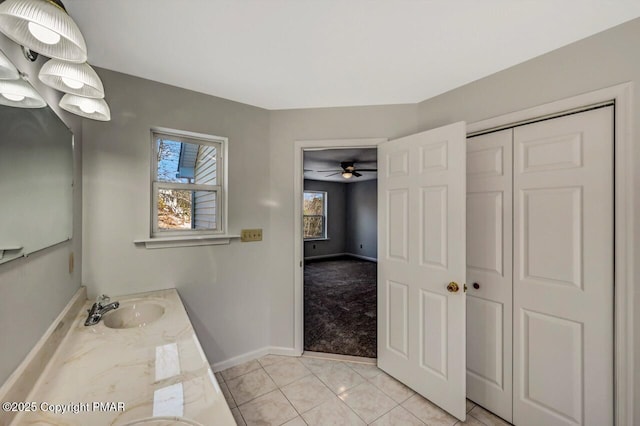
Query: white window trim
{"points": [[187, 238], [325, 221]]}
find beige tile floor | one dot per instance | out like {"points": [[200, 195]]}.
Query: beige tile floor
{"points": [[293, 391]]}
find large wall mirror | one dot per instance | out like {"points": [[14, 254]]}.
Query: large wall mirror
{"points": [[36, 180]]}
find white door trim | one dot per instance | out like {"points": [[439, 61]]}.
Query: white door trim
{"points": [[625, 254], [298, 247]]}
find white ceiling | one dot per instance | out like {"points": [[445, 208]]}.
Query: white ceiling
{"points": [[280, 54], [316, 162]]}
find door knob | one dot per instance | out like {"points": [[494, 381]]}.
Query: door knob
{"points": [[476, 286], [453, 287]]}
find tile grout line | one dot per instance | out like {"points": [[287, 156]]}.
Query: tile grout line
{"points": [[365, 381], [280, 387], [383, 414], [257, 396], [292, 406], [285, 395], [337, 395], [390, 397]]}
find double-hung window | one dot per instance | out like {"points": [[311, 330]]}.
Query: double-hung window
{"points": [[188, 183], [315, 215]]}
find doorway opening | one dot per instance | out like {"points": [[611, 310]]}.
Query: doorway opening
{"points": [[339, 214]]}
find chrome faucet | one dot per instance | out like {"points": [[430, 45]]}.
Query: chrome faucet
{"points": [[101, 307]]}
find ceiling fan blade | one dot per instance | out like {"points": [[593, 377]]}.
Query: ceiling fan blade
{"points": [[333, 174], [327, 171], [356, 174], [367, 170]]}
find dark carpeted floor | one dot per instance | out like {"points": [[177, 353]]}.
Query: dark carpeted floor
{"points": [[340, 307]]}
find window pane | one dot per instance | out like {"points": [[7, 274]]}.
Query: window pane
{"points": [[206, 210], [180, 209], [313, 227], [186, 162], [174, 209], [313, 203]]}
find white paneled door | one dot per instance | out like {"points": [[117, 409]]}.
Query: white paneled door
{"points": [[489, 271], [563, 271], [421, 263]]}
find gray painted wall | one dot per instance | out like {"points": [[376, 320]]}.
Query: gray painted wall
{"points": [[336, 219], [35, 289], [600, 61], [362, 219], [352, 219], [226, 288]]}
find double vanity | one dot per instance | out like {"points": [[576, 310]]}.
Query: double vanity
{"points": [[140, 364]]}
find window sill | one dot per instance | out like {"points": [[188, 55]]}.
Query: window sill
{"points": [[186, 241], [316, 239]]}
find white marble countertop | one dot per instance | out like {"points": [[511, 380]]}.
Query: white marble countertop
{"points": [[157, 373]]}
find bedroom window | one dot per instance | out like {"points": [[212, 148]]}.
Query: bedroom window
{"points": [[315, 215], [188, 183]]}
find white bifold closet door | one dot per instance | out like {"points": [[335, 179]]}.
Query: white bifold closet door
{"points": [[563, 271], [489, 268]]}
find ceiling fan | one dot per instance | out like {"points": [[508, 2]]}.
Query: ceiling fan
{"points": [[348, 170]]}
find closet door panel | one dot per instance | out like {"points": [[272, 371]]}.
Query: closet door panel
{"points": [[489, 265], [563, 271]]}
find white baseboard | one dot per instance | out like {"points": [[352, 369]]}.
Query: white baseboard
{"points": [[279, 350], [359, 256], [340, 357], [325, 256], [250, 356], [329, 256]]}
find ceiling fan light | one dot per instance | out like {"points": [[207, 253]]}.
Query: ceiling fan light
{"points": [[77, 79], [8, 71], [20, 94], [44, 27], [95, 109], [347, 175]]}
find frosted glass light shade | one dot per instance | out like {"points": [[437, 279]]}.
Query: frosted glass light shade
{"points": [[20, 94], [95, 109], [68, 77], [8, 71], [44, 27]]}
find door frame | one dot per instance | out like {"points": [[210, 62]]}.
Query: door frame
{"points": [[624, 253], [298, 245]]}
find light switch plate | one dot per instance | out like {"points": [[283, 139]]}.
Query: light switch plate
{"points": [[251, 235]]}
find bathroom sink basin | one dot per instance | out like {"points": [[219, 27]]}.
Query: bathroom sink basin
{"points": [[133, 314], [163, 421]]}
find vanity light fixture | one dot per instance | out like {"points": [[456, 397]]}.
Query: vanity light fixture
{"points": [[95, 109], [68, 77], [43, 26], [20, 94], [8, 71]]}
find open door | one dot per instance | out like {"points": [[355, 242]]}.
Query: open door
{"points": [[421, 264]]}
